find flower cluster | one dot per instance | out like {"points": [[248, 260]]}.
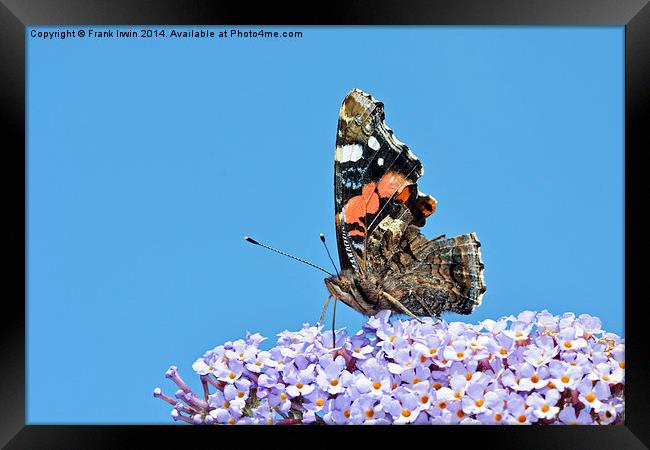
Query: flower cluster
{"points": [[535, 368]]}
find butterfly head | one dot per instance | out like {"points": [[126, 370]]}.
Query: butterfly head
{"points": [[345, 289]]}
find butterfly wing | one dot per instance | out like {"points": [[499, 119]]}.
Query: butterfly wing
{"points": [[428, 276], [375, 176]]}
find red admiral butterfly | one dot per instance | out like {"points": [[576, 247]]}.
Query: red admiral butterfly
{"points": [[386, 263]]}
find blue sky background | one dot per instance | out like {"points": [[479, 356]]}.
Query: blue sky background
{"points": [[148, 161]]}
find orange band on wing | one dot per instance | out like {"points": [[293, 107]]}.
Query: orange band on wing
{"points": [[390, 183]]}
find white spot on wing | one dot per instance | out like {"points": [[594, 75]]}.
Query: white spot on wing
{"points": [[350, 152], [373, 143]]}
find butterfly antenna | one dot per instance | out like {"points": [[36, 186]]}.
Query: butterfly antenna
{"points": [[322, 238], [253, 241]]}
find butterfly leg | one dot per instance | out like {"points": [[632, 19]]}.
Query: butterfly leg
{"points": [[327, 302], [397, 303]]}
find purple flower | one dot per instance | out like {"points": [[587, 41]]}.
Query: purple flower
{"points": [[532, 368]]}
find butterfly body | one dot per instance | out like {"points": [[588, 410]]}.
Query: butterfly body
{"points": [[386, 262]]}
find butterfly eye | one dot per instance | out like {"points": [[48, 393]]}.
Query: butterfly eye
{"points": [[367, 128], [358, 119]]}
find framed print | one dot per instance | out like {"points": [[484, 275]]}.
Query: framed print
{"points": [[387, 215]]}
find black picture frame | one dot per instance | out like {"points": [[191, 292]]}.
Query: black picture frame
{"points": [[16, 15]]}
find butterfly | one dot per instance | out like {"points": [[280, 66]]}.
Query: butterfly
{"points": [[386, 262]]}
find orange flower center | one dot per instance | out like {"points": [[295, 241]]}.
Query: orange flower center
{"points": [[320, 402], [568, 344], [376, 385], [460, 414], [442, 405], [590, 397], [503, 351], [226, 404], [416, 380], [550, 385], [370, 413], [460, 355], [258, 363], [406, 412], [621, 365], [433, 351], [346, 413], [423, 358], [231, 421], [534, 378], [283, 396], [240, 394], [479, 402], [300, 385], [565, 379], [498, 417], [232, 376], [545, 408], [457, 394], [437, 386], [334, 382], [468, 376], [521, 418], [424, 398]]}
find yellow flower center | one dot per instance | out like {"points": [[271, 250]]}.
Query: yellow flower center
{"points": [[606, 378], [433, 351], [231, 421], [545, 407], [226, 404], [565, 379], [320, 402], [232, 375], [479, 402]]}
